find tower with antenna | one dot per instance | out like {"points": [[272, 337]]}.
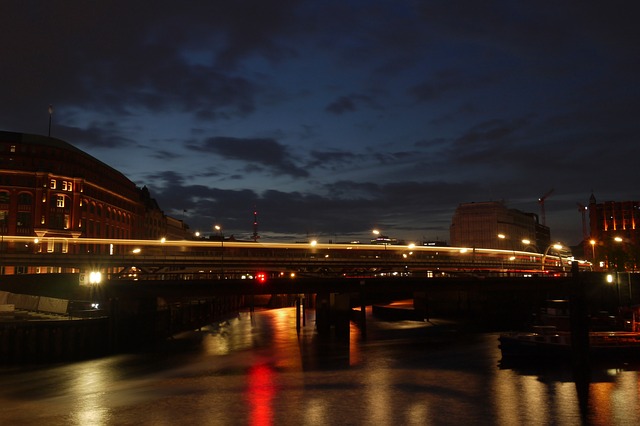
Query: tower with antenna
{"points": [[255, 226]]}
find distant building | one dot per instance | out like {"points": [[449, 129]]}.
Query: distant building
{"points": [[157, 225], [49, 188], [614, 234], [492, 225]]}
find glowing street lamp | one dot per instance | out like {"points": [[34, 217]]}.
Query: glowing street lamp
{"points": [[501, 237], [556, 246], [95, 277], [528, 244], [380, 237], [219, 229]]}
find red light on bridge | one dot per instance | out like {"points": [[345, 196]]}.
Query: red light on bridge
{"points": [[261, 277]]}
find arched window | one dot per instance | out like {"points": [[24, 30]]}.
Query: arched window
{"points": [[25, 199]]}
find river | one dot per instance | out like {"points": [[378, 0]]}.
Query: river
{"points": [[257, 370]]}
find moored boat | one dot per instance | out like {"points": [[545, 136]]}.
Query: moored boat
{"points": [[547, 341]]}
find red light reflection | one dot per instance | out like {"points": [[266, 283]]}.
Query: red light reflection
{"points": [[260, 393]]}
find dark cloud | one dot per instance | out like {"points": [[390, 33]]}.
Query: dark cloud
{"points": [[341, 105], [350, 103], [362, 113], [332, 159], [97, 135], [266, 152], [446, 82]]}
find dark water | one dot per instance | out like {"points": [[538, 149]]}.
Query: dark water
{"points": [[256, 370]]}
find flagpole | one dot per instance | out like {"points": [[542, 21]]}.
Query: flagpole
{"points": [[50, 113]]}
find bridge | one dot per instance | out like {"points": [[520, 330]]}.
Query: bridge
{"points": [[153, 289], [229, 259], [138, 312]]}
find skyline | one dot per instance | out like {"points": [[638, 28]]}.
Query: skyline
{"points": [[335, 119]]}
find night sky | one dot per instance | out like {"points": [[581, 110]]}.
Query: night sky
{"points": [[332, 118]]}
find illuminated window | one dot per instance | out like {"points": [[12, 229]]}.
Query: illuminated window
{"points": [[60, 201], [4, 219]]}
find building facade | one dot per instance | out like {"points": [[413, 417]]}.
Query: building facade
{"points": [[492, 225], [614, 239], [49, 188]]}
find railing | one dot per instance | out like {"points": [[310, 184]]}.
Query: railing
{"points": [[234, 257]]}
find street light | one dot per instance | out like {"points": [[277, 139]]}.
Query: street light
{"points": [[219, 229], [380, 237], [621, 255], [556, 246], [503, 238]]}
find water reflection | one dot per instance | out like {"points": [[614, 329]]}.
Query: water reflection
{"points": [[256, 369], [87, 389], [260, 393]]}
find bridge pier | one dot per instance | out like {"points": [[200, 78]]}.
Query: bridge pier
{"points": [[333, 310], [300, 312]]}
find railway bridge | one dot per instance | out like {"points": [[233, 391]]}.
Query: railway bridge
{"points": [[137, 313]]}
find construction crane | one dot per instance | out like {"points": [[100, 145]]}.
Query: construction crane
{"points": [[582, 209], [543, 215]]}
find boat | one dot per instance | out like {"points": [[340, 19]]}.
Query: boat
{"points": [[547, 342]]}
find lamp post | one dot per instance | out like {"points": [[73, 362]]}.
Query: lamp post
{"points": [[219, 229], [381, 237], [529, 245], [556, 246], [593, 250]]}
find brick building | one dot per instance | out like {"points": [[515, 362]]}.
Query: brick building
{"points": [[49, 188]]}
